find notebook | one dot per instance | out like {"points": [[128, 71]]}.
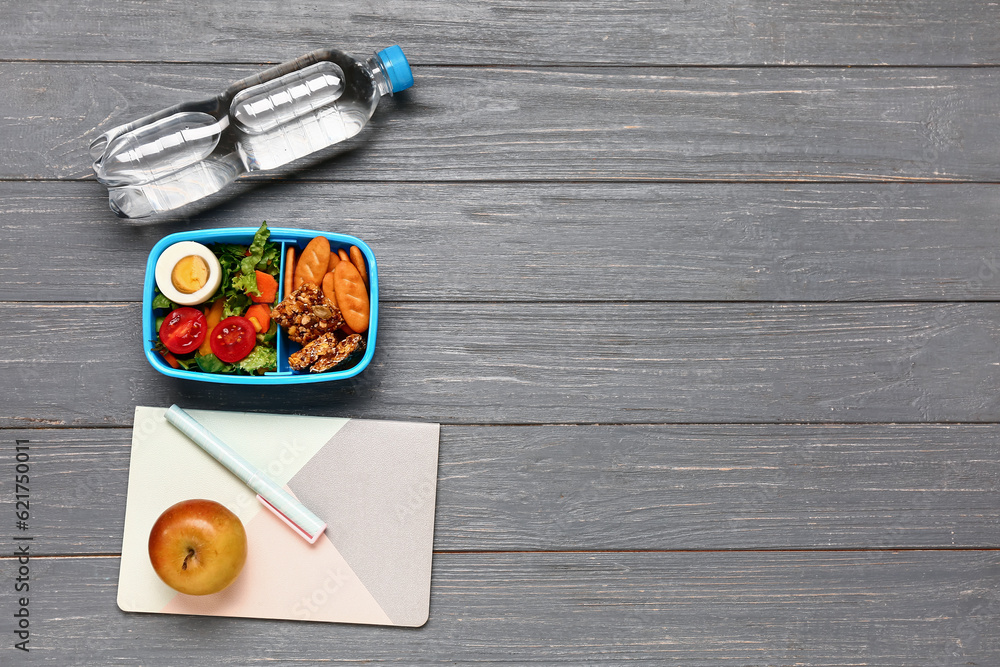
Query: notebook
{"points": [[373, 482]]}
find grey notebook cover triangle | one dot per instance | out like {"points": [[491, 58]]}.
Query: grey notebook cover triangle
{"points": [[375, 483]]}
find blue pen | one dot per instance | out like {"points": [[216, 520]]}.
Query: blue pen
{"points": [[283, 504]]}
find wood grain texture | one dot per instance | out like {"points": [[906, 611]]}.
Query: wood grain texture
{"points": [[822, 610], [553, 242], [915, 32], [484, 363], [589, 124], [682, 487], [705, 294]]}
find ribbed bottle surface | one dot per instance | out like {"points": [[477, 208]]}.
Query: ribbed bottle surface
{"points": [[188, 152]]}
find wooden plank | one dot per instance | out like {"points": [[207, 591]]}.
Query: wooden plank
{"points": [[78, 365], [520, 488], [589, 124], [816, 610], [554, 242], [916, 32], [717, 487]]}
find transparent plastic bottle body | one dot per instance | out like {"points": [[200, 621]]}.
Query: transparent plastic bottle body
{"points": [[192, 150]]}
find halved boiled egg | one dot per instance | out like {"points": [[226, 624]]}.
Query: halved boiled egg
{"points": [[188, 273]]}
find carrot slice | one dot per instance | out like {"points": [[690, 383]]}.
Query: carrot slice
{"points": [[267, 286], [170, 359], [262, 314]]}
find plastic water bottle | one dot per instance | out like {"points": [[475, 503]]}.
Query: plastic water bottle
{"points": [[191, 150]]}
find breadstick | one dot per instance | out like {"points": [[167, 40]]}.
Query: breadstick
{"points": [[289, 271], [312, 263]]}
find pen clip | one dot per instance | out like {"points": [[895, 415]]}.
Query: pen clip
{"points": [[311, 539]]}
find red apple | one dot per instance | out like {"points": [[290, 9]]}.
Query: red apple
{"points": [[198, 547]]}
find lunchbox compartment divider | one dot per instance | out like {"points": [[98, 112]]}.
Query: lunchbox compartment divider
{"points": [[282, 340]]}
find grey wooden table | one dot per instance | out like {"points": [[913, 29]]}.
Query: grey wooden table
{"points": [[706, 296]]}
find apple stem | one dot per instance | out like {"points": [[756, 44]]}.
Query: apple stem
{"points": [[190, 553]]}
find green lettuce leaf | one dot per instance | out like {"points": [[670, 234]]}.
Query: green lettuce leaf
{"points": [[236, 304], [162, 302], [239, 269], [186, 363], [261, 358], [210, 363], [267, 337]]}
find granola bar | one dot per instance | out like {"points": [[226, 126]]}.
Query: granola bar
{"points": [[306, 314], [345, 348], [321, 347]]}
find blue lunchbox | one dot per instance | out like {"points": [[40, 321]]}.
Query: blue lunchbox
{"points": [[284, 238]]}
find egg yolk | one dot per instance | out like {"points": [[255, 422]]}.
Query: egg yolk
{"points": [[190, 274]]}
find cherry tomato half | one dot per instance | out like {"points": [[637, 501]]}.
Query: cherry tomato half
{"points": [[233, 338], [183, 330]]}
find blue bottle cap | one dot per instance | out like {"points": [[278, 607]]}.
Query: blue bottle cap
{"points": [[397, 68]]}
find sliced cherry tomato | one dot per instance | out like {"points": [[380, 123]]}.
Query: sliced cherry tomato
{"points": [[233, 338], [183, 330]]}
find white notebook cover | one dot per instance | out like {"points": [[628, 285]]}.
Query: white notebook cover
{"points": [[373, 482]]}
